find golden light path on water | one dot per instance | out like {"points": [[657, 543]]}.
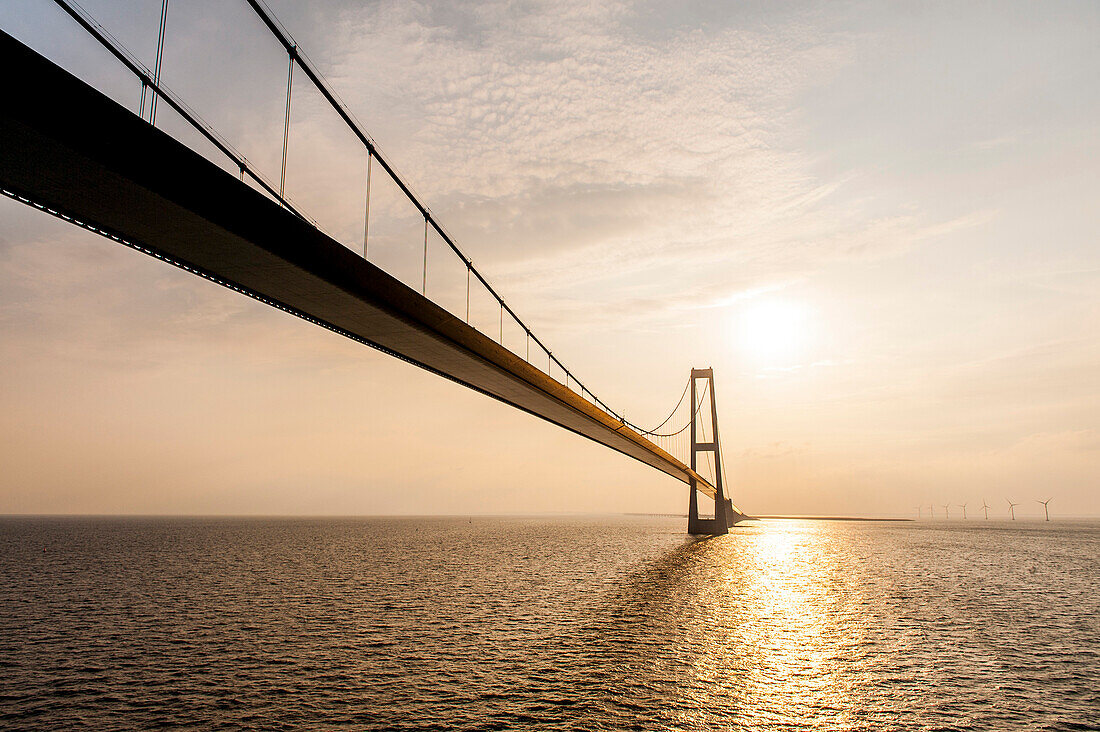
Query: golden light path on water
{"points": [[547, 623], [789, 639], [837, 625]]}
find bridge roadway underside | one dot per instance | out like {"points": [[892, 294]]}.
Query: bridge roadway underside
{"points": [[66, 146]]}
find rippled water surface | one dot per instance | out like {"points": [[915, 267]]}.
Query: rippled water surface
{"points": [[600, 623]]}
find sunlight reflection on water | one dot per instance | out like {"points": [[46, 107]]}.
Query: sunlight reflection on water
{"points": [[549, 623]]}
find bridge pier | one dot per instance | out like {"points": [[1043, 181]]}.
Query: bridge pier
{"points": [[706, 526], [725, 515]]}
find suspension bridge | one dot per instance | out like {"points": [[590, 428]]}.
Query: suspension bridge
{"points": [[73, 152]]}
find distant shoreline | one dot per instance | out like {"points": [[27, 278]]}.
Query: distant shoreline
{"points": [[792, 518], [833, 518]]}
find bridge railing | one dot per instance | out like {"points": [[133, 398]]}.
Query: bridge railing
{"points": [[153, 88]]}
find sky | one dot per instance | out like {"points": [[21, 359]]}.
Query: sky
{"points": [[876, 221]]}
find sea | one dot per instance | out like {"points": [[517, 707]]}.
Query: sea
{"points": [[572, 623]]}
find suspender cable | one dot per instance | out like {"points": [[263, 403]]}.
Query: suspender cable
{"points": [[127, 59], [286, 121], [689, 423], [710, 460], [671, 414], [156, 69], [322, 86], [152, 87], [366, 206]]}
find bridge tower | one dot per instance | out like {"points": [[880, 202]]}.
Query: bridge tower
{"points": [[724, 513]]}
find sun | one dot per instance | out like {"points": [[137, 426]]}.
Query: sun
{"points": [[773, 331]]}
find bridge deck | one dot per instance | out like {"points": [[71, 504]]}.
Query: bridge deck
{"points": [[66, 146]]}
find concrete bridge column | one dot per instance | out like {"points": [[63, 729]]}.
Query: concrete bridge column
{"points": [[724, 513]]}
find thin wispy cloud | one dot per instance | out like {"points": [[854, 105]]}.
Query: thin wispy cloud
{"points": [[558, 132], [634, 178]]}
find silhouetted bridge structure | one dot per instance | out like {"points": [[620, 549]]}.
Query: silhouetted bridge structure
{"points": [[73, 152]]}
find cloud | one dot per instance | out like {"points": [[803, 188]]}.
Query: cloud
{"points": [[995, 142], [621, 175], [568, 145], [564, 148]]}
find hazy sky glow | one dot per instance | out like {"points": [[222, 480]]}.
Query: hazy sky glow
{"points": [[876, 221]]}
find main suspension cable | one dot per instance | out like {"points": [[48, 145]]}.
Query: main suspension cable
{"points": [[666, 419], [694, 414]]}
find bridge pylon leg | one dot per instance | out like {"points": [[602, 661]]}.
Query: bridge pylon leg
{"points": [[724, 513]]}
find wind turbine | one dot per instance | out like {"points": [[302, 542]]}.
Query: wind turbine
{"points": [[1045, 506], [986, 509], [1012, 509], [963, 507], [947, 510]]}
